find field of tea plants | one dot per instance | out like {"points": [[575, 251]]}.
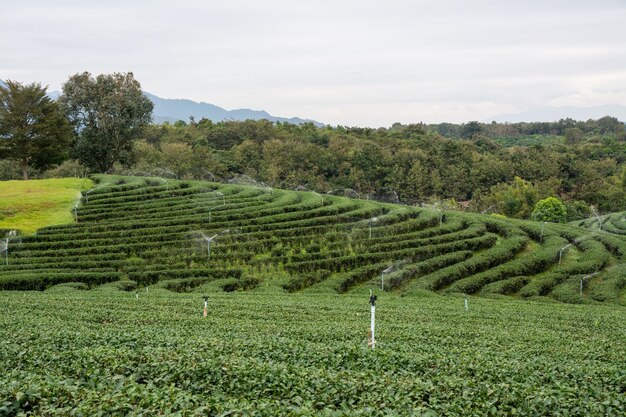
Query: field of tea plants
{"points": [[103, 315], [180, 235], [112, 352], [611, 223]]}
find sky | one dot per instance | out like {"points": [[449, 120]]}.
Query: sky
{"points": [[341, 62]]}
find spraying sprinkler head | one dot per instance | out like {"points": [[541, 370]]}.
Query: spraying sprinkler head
{"points": [[373, 300]]}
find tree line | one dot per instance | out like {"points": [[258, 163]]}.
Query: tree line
{"points": [[102, 124]]}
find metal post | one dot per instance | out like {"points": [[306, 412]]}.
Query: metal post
{"points": [[382, 281], [581, 287], [583, 279], [210, 208], [372, 338], [206, 306], [465, 305]]}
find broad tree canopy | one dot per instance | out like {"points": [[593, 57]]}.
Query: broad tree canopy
{"points": [[108, 112], [33, 131]]}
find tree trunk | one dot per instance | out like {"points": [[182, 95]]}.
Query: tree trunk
{"points": [[24, 169]]}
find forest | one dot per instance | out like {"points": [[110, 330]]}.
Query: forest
{"points": [[496, 168]]}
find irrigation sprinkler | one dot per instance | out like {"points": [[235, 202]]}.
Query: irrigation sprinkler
{"points": [[382, 276], [371, 340], [209, 240], [76, 212], [223, 197], [372, 220], [491, 206], [392, 268], [434, 207], [321, 196], [165, 171], [137, 295], [4, 249], [582, 280], [206, 306], [541, 236], [465, 303], [595, 213], [564, 248]]}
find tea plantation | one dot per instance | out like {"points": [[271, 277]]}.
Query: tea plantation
{"points": [[180, 235], [118, 328]]}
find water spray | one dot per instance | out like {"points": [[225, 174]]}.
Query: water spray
{"points": [[372, 220], [382, 276], [541, 236], [209, 240], [4, 249]]}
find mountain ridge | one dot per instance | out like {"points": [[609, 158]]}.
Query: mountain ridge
{"points": [[171, 110]]}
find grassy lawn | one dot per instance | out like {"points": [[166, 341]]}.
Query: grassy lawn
{"points": [[30, 205]]}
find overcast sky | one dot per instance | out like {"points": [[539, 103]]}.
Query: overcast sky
{"points": [[348, 62]]}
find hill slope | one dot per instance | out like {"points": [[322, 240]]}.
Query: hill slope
{"points": [[180, 235], [30, 205]]}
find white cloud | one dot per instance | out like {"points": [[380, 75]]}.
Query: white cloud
{"points": [[342, 62]]}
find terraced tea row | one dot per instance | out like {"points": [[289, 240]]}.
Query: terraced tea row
{"points": [[185, 234], [614, 223]]}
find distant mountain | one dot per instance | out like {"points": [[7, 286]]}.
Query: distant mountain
{"points": [[171, 110], [552, 114]]}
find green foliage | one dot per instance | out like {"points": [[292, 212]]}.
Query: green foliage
{"points": [[154, 231], [109, 112], [33, 131], [112, 352], [550, 209], [413, 160]]}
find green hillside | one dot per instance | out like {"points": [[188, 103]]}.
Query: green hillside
{"points": [[614, 223], [119, 329], [182, 234], [29, 205]]}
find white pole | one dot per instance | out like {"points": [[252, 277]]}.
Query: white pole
{"points": [[372, 341], [206, 306], [465, 303], [581, 286], [382, 281]]}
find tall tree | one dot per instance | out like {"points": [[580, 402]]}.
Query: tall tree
{"points": [[109, 113], [33, 130]]}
